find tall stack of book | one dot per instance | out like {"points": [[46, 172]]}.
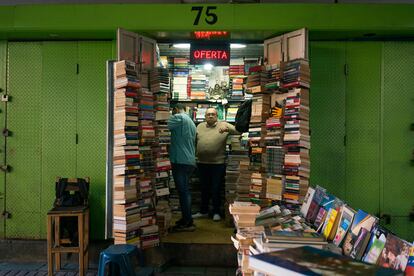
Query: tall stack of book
{"points": [[126, 158], [257, 134], [180, 79], [149, 228], [244, 215], [297, 144], [243, 182]]}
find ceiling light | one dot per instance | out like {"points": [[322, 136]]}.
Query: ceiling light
{"points": [[237, 46], [208, 66], [182, 45]]}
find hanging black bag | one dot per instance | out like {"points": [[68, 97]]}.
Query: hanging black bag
{"points": [[243, 116]]}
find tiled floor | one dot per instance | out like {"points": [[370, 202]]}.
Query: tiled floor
{"points": [[40, 269]]}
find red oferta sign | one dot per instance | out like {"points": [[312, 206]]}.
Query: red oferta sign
{"points": [[216, 54]]}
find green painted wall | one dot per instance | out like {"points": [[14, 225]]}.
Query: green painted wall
{"points": [[397, 138], [372, 105], [51, 104], [327, 121]]}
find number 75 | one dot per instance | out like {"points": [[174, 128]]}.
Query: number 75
{"points": [[210, 17]]}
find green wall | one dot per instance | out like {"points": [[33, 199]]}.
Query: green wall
{"points": [[53, 102], [361, 142]]}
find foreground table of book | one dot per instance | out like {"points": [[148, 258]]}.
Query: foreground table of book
{"points": [[312, 261]]}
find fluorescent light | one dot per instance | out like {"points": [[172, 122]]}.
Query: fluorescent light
{"points": [[237, 46], [182, 45], [208, 66]]}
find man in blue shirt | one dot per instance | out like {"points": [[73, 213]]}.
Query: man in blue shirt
{"points": [[182, 157]]}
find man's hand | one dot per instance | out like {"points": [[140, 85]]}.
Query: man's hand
{"points": [[224, 129]]}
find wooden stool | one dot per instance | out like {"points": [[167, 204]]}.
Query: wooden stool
{"points": [[55, 242]]}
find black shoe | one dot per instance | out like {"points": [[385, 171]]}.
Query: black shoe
{"points": [[190, 227], [180, 222]]}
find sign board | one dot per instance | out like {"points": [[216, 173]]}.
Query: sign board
{"points": [[215, 54]]}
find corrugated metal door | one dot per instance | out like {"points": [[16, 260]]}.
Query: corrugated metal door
{"points": [[363, 90], [91, 128], [24, 147], [327, 123], [58, 98], [398, 139], [3, 77]]}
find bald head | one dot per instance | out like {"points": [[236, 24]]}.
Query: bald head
{"points": [[211, 116]]}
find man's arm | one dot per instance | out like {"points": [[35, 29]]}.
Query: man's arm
{"points": [[232, 129], [174, 121]]}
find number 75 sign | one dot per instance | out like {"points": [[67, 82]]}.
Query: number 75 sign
{"points": [[206, 13]]}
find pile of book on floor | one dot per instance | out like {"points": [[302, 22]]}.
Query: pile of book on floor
{"points": [[160, 86], [126, 157], [146, 191], [323, 221]]}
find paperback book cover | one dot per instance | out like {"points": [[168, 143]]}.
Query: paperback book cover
{"points": [[361, 220], [347, 216], [395, 253], [376, 245]]}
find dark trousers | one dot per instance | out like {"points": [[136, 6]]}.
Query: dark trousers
{"points": [[212, 181], [181, 174]]}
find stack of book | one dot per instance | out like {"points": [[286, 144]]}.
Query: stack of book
{"points": [[296, 73], [236, 67], [273, 78], [231, 112], [160, 87], [257, 186], [146, 184], [243, 182], [274, 186], [257, 79], [244, 213], [199, 84], [237, 87], [296, 141], [126, 158], [180, 79], [274, 132], [164, 216]]}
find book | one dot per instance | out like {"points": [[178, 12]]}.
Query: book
{"points": [[376, 245], [409, 270], [307, 201], [395, 253], [361, 220], [345, 221], [292, 236], [311, 261]]}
